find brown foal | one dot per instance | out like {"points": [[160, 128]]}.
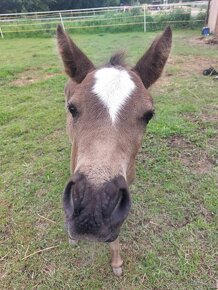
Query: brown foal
{"points": [[108, 109]]}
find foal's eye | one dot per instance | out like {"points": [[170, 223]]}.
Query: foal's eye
{"points": [[73, 110], [147, 116]]}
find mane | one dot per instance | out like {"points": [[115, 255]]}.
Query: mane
{"points": [[118, 59]]}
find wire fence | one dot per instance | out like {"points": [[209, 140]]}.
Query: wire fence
{"points": [[110, 19]]}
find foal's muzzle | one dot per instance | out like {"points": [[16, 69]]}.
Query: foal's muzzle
{"points": [[96, 212]]}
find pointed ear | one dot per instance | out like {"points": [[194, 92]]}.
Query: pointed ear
{"points": [[76, 63], [151, 64]]}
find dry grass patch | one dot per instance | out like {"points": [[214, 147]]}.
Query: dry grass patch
{"points": [[191, 156], [31, 76]]}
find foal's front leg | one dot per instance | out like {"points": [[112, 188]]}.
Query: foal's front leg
{"points": [[116, 261]]}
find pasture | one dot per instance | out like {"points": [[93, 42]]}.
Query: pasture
{"points": [[169, 240]]}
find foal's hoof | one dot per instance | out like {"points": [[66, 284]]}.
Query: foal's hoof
{"points": [[118, 271], [73, 242]]}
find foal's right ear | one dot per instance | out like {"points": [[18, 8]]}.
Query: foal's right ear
{"points": [[76, 63]]}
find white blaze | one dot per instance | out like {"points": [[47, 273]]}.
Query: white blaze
{"points": [[113, 87]]}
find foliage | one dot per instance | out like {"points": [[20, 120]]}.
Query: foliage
{"points": [[201, 16], [7, 6], [135, 11], [12, 6], [179, 15]]}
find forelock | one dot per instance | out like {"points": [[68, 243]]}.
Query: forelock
{"points": [[118, 59]]}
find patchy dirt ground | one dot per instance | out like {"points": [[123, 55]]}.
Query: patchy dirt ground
{"points": [[191, 156], [205, 41], [31, 76], [209, 116], [190, 65]]}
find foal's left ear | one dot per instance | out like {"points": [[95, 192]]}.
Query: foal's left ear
{"points": [[76, 63], [151, 64]]}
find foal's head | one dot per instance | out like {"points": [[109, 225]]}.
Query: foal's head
{"points": [[108, 109]]}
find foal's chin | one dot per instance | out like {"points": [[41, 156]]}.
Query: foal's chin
{"points": [[105, 234], [92, 238]]}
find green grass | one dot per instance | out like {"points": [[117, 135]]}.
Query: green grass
{"points": [[170, 238]]}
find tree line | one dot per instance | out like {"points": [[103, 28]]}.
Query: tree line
{"points": [[17, 6]]}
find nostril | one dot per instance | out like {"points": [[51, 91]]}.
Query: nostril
{"points": [[124, 199], [67, 198], [76, 212], [122, 208], [74, 193]]}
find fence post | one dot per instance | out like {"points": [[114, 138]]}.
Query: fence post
{"points": [[2, 35], [145, 28], [62, 22]]}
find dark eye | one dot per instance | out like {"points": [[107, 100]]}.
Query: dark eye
{"points": [[147, 116], [73, 110]]}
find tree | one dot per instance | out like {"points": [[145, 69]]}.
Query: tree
{"points": [[10, 6], [13, 6]]}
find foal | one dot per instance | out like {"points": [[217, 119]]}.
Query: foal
{"points": [[108, 109]]}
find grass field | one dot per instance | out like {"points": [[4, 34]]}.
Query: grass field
{"points": [[170, 238]]}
